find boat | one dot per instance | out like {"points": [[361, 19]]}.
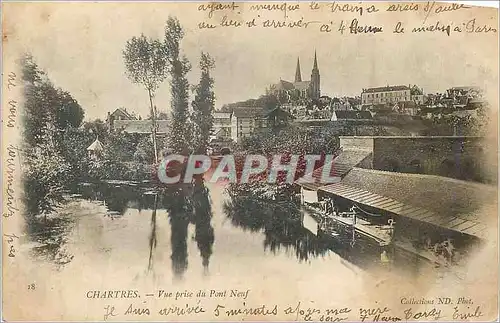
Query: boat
{"points": [[348, 226]]}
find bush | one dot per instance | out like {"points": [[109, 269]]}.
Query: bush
{"points": [[44, 182], [112, 169]]}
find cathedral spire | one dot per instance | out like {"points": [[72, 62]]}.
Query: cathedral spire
{"points": [[315, 87], [315, 66], [298, 76]]}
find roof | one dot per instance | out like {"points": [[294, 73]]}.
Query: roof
{"points": [[124, 113], [316, 175], [96, 146], [279, 111], [248, 112], [340, 166], [141, 126], [222, 115], [352, 114], [286, 85], [283, 85], [304, 85], [386, 89], [442, 201], [466, 88]]}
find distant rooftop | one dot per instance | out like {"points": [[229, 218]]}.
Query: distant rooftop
{"points": [[386, 89], [476, 88], [141, 126], [248, 112]]}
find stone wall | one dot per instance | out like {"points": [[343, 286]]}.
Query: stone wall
{"points": [[456, 157]]}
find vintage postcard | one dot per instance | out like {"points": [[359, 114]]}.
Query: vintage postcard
{"points": [[249, 161]]}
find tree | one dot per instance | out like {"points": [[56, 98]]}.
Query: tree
{"points": [[68, 112], [179, 67], [121, 146], [146, 63], [204, 102], [159, 116], [46, 106], [98, 128], [270, 102], [46, 173], [144, 150]]}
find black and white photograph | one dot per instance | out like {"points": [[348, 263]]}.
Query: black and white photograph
{"points": [[249, 161]]}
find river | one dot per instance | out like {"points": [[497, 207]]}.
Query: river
{"points": [[119, 236]]}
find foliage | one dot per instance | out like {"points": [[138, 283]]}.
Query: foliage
{"points": [[98, 128], [50, 117], [146, 62], [45, 105], [269, 102], [74, 143], [68, 112], [159, 116], [121, 146], [293, 139], [44, 182], [203, 104], [38, 110], [179, 67], [144, 151], [114, 169]]}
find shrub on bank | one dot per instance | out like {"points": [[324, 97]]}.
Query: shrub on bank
{"points": [[44, 182]]}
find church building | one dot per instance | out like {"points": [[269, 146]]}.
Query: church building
{"points": [[299, 89]]}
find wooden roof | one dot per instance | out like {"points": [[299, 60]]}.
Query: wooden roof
{"points": [[441, 201]]}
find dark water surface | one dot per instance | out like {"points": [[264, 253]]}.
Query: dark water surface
{"points": [[193, 229]]}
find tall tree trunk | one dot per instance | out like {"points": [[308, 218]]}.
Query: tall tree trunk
{"points": [[153, 118]]}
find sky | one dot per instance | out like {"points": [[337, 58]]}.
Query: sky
{"points": [[80, 47]]}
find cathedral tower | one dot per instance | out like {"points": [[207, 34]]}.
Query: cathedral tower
{"points": [[315, 80], [298, 76]]}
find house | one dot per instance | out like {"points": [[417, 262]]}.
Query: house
{"points": [[392, 95], [417, 95], [118, 114], [222, 125], [464, 92], [142, 126], [386, 94], [245, 120], [278, 117]]}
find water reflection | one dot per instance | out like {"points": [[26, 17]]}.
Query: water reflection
{"points": [[179, 213], [152, 237], [186, 204], [280, 221], [204, 232], [50, 235]]}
